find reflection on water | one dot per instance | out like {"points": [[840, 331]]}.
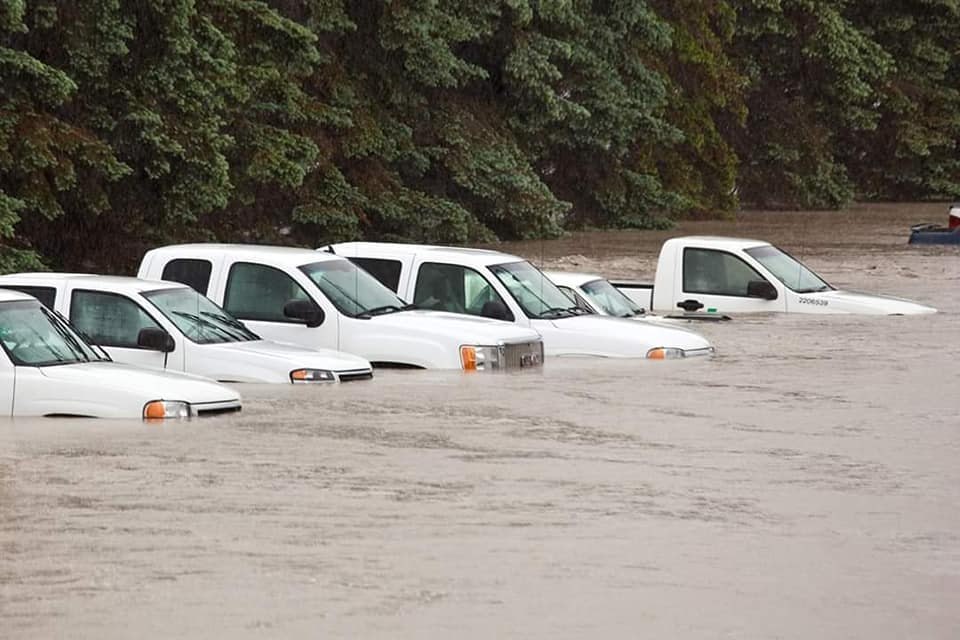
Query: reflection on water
{"points": [[801, 484]]}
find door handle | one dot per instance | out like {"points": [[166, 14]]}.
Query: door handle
{"points": [[690, 305]]}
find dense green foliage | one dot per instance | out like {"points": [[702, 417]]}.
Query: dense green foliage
{"points": [[128, 124]]}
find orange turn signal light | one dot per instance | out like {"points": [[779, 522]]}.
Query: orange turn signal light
{"points": [[468, 358], [155, 410]]}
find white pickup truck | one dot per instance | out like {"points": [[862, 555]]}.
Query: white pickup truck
{"points": [[321, 300], [497, 285], [596, 294], [733, 275], [47, 369], [164, 325]]}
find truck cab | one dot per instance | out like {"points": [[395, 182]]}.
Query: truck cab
{"points": [[737, 275], [48, 369], [323, 300], [166, 325], [491, 284]]}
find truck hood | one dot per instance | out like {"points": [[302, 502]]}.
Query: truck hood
{"points": [[466, 329], [615, 337], [866, 303], [152, 385], [283, 356]]}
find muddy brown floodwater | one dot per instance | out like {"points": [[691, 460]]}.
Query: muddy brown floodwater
{"points": [[804, 483]]}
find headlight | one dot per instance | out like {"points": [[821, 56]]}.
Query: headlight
{"points": [[161, 409], [299, 376], [479, 358], [665, 353]]}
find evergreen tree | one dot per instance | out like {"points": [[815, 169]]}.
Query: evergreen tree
{"points": [[705, 98], [814, 78], [913, 152], [50, 166]]}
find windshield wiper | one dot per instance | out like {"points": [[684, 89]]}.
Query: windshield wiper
{"points": [[69, 340], [557, 312], [202, 321], [98, 350], [814, 289], [387, 308], [232, 322]]}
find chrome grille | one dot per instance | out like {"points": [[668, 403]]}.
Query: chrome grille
{"points": [[357, 374], [522, 355]]}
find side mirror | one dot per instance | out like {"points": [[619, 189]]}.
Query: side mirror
{"points": [[155, 339], [496, 310], [306, 311], [761, 289]]}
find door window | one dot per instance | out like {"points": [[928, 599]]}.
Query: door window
{"points": [[259, 292], [386, 271], [109, 319], [448, 287], [193, 273], [46, 295], [716, 272]]}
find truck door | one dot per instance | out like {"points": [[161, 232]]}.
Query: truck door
{"points": [[257, 293], [719, 281], [458, 289], [8, 376], [114, 321]]}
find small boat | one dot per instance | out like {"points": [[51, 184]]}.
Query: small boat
{"points": [[927, 233]]}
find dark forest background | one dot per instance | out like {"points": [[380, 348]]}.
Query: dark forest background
{"points": [[128, 124]]}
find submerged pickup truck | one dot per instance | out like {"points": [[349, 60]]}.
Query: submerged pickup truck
{"points": [[48, 369], [497, 285], [165, 325], [732, 275], [322, 300]]}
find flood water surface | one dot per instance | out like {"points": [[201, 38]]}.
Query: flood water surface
{"points": [[801, 484]]}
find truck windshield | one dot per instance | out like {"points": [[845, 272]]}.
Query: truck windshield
{"points": [[353, 291], [536, 295], [34, 336], [788, 270], [197, 317], [610, 299]]}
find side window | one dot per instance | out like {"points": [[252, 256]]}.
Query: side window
{"points": [[716, 272], [46, 295], [193, 273], [259, 292], [109, 319], [386, 271], [448, 287]]}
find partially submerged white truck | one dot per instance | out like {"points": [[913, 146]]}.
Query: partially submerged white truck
{"points": [[596, 294], [497, 285], [732, 275], [48, 369], [165, 325], [322, 300]]}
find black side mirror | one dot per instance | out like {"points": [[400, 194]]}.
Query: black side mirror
{"points": [[156, 339], [496, 310], [761, 289], [306, 311]]}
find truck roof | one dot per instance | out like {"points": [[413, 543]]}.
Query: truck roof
{"points": [[116, 284], [290, 256], [9, 295], [459, 255], [719, 241]]}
